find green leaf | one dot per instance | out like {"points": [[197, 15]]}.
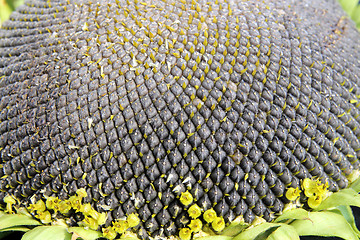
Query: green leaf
{"points": [[325, 224], [86, 234], [349, 217], [14, 3], [356, 17], [264, 235], [297, 213], [47, 232], [12, 220], [284, 232], [10, 4], [16, 229], [24, 211], [5, 12], [356, 185], [346, 197], [234, 228], [255, 231], [348, 5], [129, 236], [135, 238], [220, 237]]}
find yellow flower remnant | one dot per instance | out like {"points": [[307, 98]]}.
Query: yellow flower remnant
{"points": [[218, 224], [186, 198], [314, 201], [195, 225], [91, 223], [92, 218], [64, 206], [309, 187], [75, 202], [109, 233], [120, 226], [38, 206], [209, 215], [45, 217], [81, 193], [10, 201], [315, 191], [194, 211], [52, 203], [133, 220], [99, 217], [293, 193], [86, 209], [185, 234], [323, 188], [44, 210]]}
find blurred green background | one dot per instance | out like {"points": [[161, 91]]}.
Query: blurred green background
{"points": [[6, 7], [352, 7]]}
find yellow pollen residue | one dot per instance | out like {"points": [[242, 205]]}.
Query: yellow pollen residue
{"points": [[209, 215], [185, 234], [194, 211], [195, 225], [293, 193], [218, 224], [186, 198]]}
